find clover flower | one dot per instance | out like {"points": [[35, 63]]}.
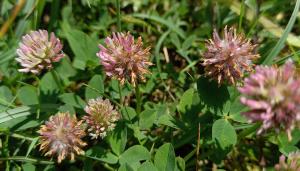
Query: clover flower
{"points": [[125, 59], [38, 51], [273, 96], [227, 59], [61, 136], [291, 164], [101, 117]]}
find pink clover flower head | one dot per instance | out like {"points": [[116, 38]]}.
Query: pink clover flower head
{"points": [[291, 163], [61, 136], [273, 97], [101, 117], [123, 58], [38, 50], [228, 58]]}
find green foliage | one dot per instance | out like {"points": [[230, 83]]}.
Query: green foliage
{"points": [[95, 87], [147, 118], [28, 95], [118, 139], [99, 153], [186, 101], [165, 158], [147, 166], [211, 94], [133, 155], [83, 46], [223, 133]]}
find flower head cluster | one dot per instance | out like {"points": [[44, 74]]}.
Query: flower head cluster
{"points": [[100, 118], [227, 59], [124, 59], [38, 51], [292, 163], [273, 96], [61, 136]]}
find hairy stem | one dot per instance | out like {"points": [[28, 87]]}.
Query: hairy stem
{"points": [[138, 99], [118, 15]]}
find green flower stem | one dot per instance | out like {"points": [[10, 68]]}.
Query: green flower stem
{"points": [[102, 94], [6, 152], [198, 148], [121, 101], [57, 80], [248, 131], [118, 15], [19, 136], [26, 159], [120, 94], [18, 148], [190, 155], [38, 94], [108, 167], [138, 99]]}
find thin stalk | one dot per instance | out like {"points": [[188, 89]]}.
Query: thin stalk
{"points": [[108, 167], [118, 5], [190, 155], [241, 15], [120, 94], [26, 159], [138, 99], [122, 101], [198, 149], [38, 94], [19, 136], [248, 131], [104, 164], [108, 97], [6, 152], [103, 94], [118, 15], [8, 104], [18, 149]]}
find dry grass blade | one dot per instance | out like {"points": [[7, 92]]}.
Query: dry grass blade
{"points": [[13, 16], [271, 27]]}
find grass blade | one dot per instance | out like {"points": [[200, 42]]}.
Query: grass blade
{"points": [[280, 44], [268, 25], [32, 145], [160, 20], [14, 113]]}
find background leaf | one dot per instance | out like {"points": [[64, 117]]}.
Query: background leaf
{"points": [[95, 83], [99, 153], [164, 158], [83, 46], [186, 101], [211, 94], [28, 95], [146, 166], [134, 154], [223, 132]]}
